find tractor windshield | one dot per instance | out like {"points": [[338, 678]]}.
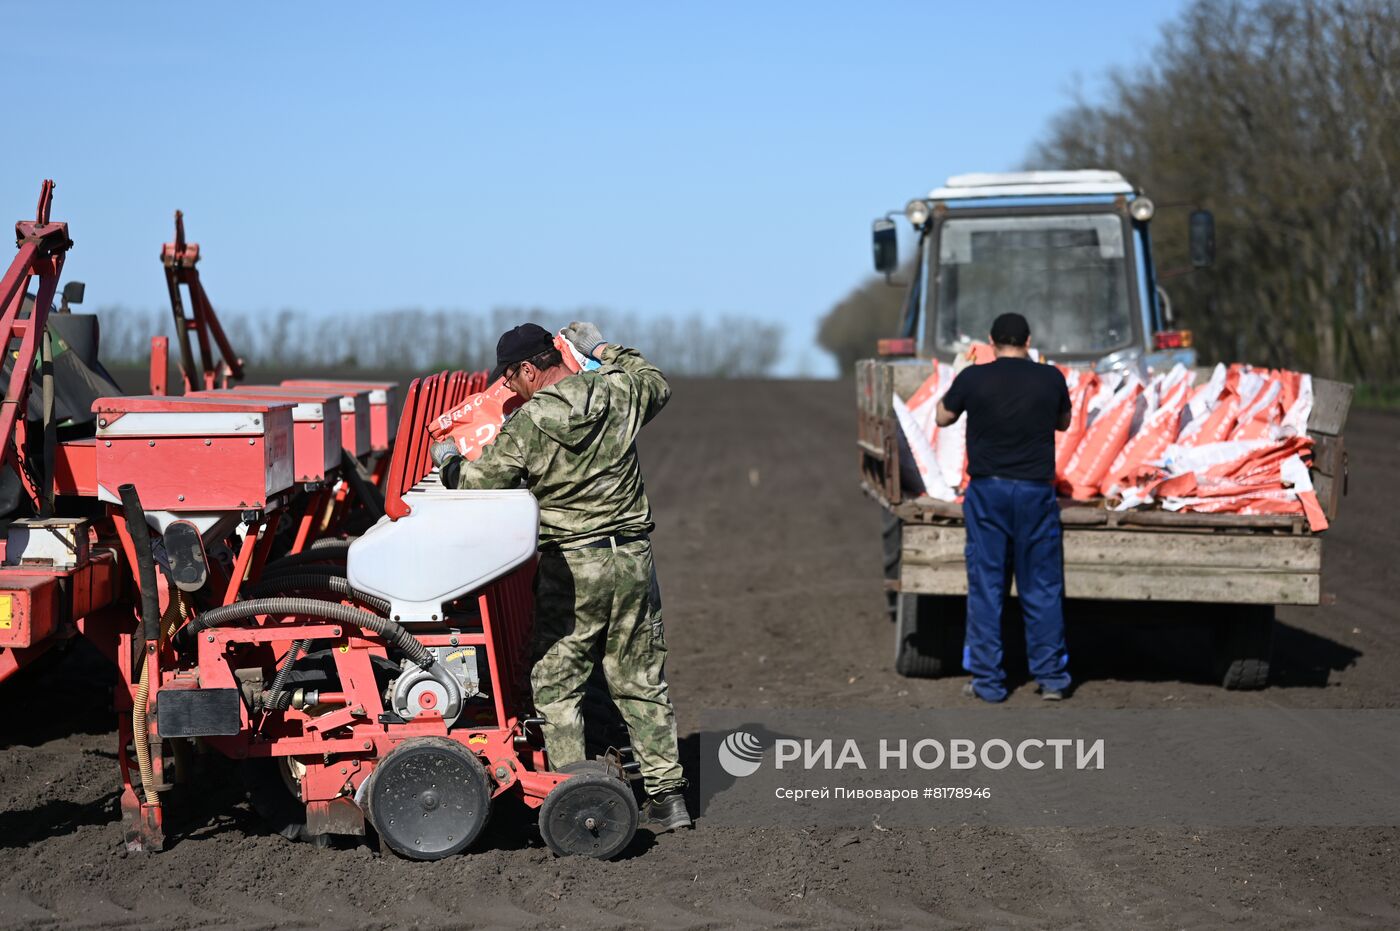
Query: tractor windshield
{"points": [[1068, 275]]}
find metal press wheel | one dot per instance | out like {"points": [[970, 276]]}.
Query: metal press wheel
{"points": [[430, 798], [589, 814]]}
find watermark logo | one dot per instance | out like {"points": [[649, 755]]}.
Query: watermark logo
{"points": [[740, 754]]}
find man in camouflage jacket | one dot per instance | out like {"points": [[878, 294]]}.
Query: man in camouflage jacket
{"points": [[572, 444]]}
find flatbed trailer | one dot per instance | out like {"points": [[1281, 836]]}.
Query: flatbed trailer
{"points": [[1241, 565], [1073, 249]]}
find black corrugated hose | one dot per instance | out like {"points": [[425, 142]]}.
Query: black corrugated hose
{"points": [[331, 543], [140, 534], [332, 551], [280, 572], [313, 581], [314, 607]]}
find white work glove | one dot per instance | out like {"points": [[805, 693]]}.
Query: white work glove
{"points": [[586, 337], [962, 360], [443, 450]]}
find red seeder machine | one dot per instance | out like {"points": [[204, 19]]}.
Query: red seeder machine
{"points": [[277, 577]]}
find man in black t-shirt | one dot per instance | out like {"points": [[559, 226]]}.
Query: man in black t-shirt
{"points": [[1014, 405]]}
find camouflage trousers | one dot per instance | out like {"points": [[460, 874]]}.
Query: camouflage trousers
{"points": [[604, 603]]}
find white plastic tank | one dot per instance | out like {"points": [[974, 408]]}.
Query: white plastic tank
{"points": [[452, 542]]}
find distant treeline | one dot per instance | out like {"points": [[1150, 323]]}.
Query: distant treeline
{"points": [[418, 340], [1283, 118]]}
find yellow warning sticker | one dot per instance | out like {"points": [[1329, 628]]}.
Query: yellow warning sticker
{"points": [[7, 612]]}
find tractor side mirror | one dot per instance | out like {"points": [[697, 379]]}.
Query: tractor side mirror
{"points": [[72, 293], [884, 243], [1202, 226]]}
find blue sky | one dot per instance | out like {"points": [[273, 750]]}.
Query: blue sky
{"points": [[340, 158]]}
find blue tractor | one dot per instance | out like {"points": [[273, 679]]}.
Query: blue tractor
{"points": [[1071, 250]]}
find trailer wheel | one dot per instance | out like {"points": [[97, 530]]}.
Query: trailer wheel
{"points": [[928, 635], [892, 540], [1244, 641]]}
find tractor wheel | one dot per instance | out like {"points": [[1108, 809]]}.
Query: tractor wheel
{"points": [[928, 635], [892, 539], [589, 814], [1244, 642]]}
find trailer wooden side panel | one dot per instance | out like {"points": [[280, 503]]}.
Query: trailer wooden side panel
{"points": [[1127, 565], [1331, 405]]}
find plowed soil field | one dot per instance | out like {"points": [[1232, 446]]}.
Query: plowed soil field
{"points": [[769, 557]]}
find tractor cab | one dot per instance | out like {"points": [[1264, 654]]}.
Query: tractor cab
{"points": [[1071, 250]]}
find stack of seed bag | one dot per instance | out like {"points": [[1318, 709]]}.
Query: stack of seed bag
{"points": [[1236, 444]]}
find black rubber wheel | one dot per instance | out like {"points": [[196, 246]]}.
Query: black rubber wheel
{"points": [[270, 792], [928, 635], [589, 814], [430, 798], [1244, 644], [892, 541]]}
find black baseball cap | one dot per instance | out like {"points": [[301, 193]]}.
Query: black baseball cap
{"points": [[1011, 330], [524, 342]]}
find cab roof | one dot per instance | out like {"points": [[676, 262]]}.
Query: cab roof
{"points": [[1032, 184]]}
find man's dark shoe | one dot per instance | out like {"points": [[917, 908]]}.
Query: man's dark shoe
{"points": [[666, 812]]}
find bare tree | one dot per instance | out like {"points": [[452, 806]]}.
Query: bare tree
{"points": [[1280, 116], [418, 340], [870, 312]]}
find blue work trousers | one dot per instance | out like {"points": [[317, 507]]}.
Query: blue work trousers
{"points": [[1014, 526]]}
